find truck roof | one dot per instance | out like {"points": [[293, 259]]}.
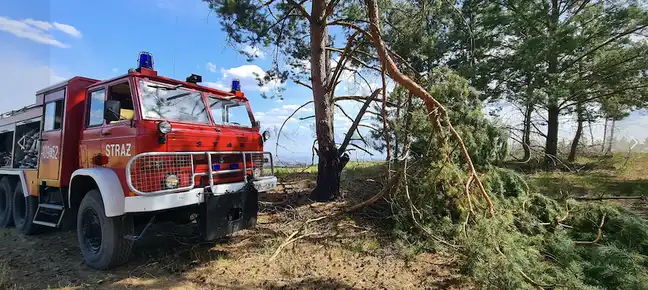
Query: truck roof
{"points": [[62, 84], [155, 77]]}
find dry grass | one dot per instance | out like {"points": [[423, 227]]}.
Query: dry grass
{"points": [[352, 253]]}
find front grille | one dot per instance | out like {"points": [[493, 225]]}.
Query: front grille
{"points": [[262, 163], [146, 172]]}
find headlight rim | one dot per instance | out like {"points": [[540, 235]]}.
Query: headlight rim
{"points": [[166, 181], [162, 127]]}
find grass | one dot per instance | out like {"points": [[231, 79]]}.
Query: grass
{"points": [[614, 175], [352, 167]]}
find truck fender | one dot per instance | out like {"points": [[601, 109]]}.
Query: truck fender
{"points": [[21, 175], [108, 184]]}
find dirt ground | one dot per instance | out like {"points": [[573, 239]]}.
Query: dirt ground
{"points": [[351, 254]]}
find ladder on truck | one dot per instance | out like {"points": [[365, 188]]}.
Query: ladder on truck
{"points": [[50, 214]]}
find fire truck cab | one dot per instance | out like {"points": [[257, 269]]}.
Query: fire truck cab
{"points": [[100, 156]]}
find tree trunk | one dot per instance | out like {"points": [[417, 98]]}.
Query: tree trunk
{"points": [[609, 149], [604, 135], [577, 136], [330, 164], [526, 133], [551, 146]]}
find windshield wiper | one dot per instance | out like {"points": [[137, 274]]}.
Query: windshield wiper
{"points": [[178, 96], [166, 88]]}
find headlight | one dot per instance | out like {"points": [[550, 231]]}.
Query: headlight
{"points": [[266, 135], [257, 172], [164, 127], [171, 181]]}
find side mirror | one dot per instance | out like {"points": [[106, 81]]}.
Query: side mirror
{"points": [[111, 110], [266, 136], [258, 124]]}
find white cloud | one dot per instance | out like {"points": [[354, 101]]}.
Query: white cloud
{"points": [[211, 67], [115, 70], [216, 85], [40, 24], [20, 77], [37, 30], [68, 29], [253, 51], [248, 75], [290, 107]]}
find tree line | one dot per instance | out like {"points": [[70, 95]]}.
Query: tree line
{"points": [[548, 59]]}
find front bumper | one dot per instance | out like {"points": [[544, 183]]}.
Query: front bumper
{"points": [[134, 204]]}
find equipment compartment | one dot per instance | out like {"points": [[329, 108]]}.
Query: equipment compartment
{"points": [[26, 145], [6, 140]]}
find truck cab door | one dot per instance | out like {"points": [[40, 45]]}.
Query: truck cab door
{"points": [[90, 152], [118, 137], [51, 134]]}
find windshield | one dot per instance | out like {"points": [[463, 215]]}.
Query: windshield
{"points": [[229, 112], [167, 102]]}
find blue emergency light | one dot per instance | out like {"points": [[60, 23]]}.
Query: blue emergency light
{"points": [[145, 60], [234, 166], [236, 85], [216, 167]]}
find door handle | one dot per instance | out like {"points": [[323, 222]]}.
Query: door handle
{"points": [[41, 139], [104, 134]]}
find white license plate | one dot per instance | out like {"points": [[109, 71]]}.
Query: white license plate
{"points": [[266, 186]]}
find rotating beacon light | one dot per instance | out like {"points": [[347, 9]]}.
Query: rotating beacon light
{"points": [[236, 85], [145, 60]]}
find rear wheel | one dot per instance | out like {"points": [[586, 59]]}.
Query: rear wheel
{"points": [[24, 210], [6, 203], [102, 239]]}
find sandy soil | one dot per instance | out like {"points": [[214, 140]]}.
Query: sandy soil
{"points": [[350, 254]]}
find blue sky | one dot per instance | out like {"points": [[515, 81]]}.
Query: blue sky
{"points": [[51, 41]]}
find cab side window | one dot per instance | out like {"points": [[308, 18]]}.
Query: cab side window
{"points": [[94, 116], [53, 119], [122, 93]]}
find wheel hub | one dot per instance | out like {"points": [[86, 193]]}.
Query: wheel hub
{"points": [[91, 229]]}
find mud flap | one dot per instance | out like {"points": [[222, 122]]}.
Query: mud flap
{"points": [[222, 215]]}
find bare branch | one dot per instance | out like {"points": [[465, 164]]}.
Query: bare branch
{"points": [[360, 99], [370, 127], [306, 118], [330, 8], [354, 58], [299, 6], [598, 234], [350, 25], [357, 120], [341, 62], [303, 84], [282, 126], [358, 147]]}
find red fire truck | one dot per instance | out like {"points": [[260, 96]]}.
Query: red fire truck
{"points": [[102, 156]]}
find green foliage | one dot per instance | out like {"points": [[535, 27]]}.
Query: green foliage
{"points": [[485, 142], [532, 240]]}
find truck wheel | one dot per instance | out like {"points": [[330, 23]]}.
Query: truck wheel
{"points": [[101, 238], [6, 196], [24, 210]]}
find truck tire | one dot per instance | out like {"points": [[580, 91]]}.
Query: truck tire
{"points": [[23, 211], [101, 238], [6, 202]]}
